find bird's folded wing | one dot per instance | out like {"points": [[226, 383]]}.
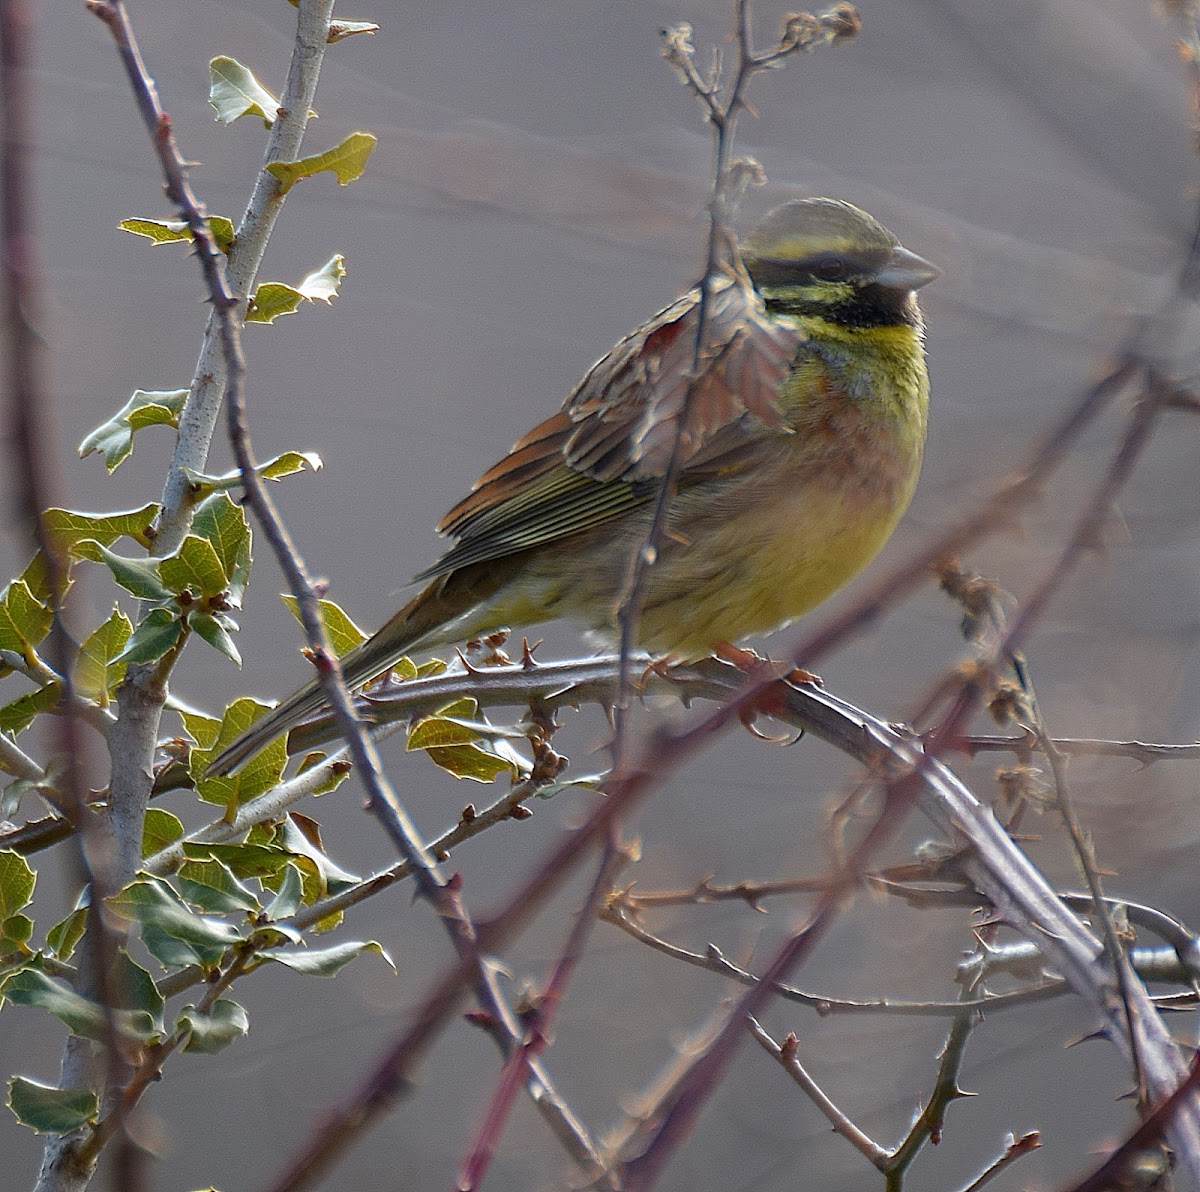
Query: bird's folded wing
{"points": [[605, 452]]}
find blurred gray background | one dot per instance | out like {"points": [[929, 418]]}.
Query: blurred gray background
{"points": [[538, 191]]}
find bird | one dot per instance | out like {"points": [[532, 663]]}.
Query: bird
{"points": [[797, 445]]}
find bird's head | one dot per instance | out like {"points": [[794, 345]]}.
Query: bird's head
{"points": [[828, 258]]}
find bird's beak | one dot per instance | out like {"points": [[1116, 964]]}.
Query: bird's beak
{"points": [[906, 271]]}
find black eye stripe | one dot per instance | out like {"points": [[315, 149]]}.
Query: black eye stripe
{"points": [[824, 266]]}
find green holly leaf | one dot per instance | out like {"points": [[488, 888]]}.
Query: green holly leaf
{"points": [[223, 524], [286, 464], [259, 774], [159, 829], [211, 886], [139, 576], [289, 463], [173, 231], [147, 407], [346, 161], [17, 716], [193, 568], [97, 671], [288, 897], [234, 92], [15, 933], [24, 620], [249, 859], [465, 747], [342, 632], [158, 633], [50, 1110], [17, 881], [81, 1016], [70, 527], [66, 933], [171, 930], [325, 962], [215, 628], [273, 298], [300, 836]]}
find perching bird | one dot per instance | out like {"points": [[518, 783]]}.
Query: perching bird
{"points": [[800, 450]]}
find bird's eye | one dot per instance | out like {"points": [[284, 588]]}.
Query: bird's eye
{"points": [[830, 269]]}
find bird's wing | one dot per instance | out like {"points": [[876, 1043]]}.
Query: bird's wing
{"points": [[606, 451]]}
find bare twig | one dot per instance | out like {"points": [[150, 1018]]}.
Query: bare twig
{"points": [[713, 960], [1016, 1148], [787, 1054]]}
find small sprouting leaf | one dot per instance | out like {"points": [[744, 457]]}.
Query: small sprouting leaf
{"points": [[322, 284], [343, 633], [50, 1110], [325, 962], [346, 160], [173, 231], [233, 91], [97, 672], [194, 568], [286, 464], [13, 793], [159, 632], [289, 463], [147, 407], [139, 576], [159, 829], [209, 1033], [587, 782], [223, 523], [275, 298], [272, 299], [339, 30], [17, 880]]}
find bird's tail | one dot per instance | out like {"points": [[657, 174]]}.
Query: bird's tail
{"points": [[430, 618]]}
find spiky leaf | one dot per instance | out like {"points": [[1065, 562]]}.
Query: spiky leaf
{"points": [[234, 92], [346, 161], [50, 1110], [147, 407]]}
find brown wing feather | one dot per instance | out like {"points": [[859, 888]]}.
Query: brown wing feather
{"points": [[604, 452]]}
